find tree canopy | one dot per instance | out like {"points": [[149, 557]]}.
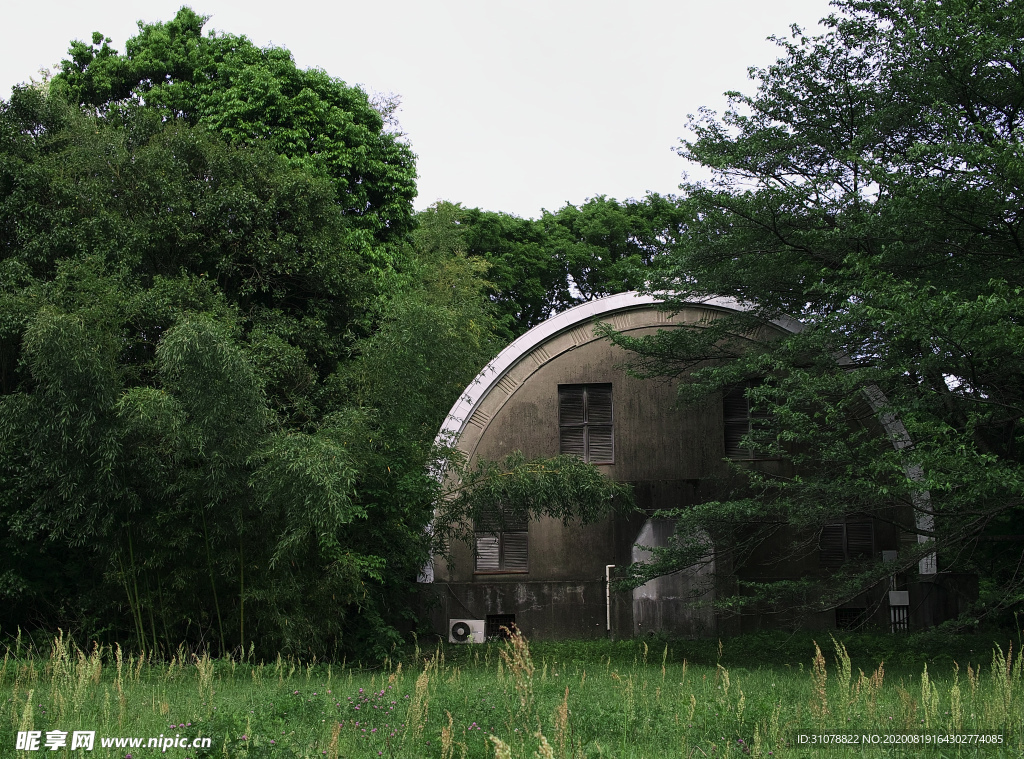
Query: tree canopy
{"points": [[224, 352], [539, 267], [869, 187], [219, 386], [247, 95]]}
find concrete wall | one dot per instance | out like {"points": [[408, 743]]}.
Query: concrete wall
{"points": [[672, 456], [678, 604]]}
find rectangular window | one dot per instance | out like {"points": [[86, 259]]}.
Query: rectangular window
{"points": [[585, 422], [846, 541], [741, 420], [502, 545]]}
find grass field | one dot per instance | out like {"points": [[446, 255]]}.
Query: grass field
{"points": [[569, 700]]}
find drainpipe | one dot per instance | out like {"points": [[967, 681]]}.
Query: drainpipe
{"points": [[608, 596]]}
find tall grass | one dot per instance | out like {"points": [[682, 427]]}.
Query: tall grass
{"points": [[502, 700]]}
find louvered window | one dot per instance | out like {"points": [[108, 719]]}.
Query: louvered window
{"points": [[740, 421], [585, 422], [846, 541], [501, 544]]}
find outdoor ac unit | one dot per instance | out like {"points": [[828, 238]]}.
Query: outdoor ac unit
{"points": [[465, 631]]}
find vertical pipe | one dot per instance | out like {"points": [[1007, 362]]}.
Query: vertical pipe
{"points": [[608, 596]]}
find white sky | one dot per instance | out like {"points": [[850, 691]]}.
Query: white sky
{"points": [[509, 106]]}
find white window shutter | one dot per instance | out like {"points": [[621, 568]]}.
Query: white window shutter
{"points": [[488, 554], [600, 448]]}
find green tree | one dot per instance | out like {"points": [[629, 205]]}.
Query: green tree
{"points": [[539, 267], [225, 84], [204, 435], [870, 188]]}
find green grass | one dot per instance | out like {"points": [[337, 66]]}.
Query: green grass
{"points": [[629, 699]]}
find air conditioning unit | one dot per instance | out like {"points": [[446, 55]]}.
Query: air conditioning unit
{"points": [[465, 631]]}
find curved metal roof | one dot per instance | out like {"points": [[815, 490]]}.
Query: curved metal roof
{"points": [[491, 374]]}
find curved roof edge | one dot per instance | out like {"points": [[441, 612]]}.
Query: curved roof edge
{"points": [[491, 374]]}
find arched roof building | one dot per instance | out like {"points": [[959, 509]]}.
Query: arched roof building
{"points": [[560, 388]]}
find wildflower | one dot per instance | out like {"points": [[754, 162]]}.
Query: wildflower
{"points": [[273, 742], [245, 737]]}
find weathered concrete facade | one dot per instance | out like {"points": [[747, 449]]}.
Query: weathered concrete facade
{"points": [[673, 457]]}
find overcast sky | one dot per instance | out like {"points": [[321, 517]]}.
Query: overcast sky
{"points": [[509, 106]]}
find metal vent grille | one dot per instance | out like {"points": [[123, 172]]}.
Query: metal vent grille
{"points": [[500, 625], [850, 619]]}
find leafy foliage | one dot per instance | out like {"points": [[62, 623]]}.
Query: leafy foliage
{"points": [[223, 361], [515, 489], [246, 95], [539, 267], [869, 188]]}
